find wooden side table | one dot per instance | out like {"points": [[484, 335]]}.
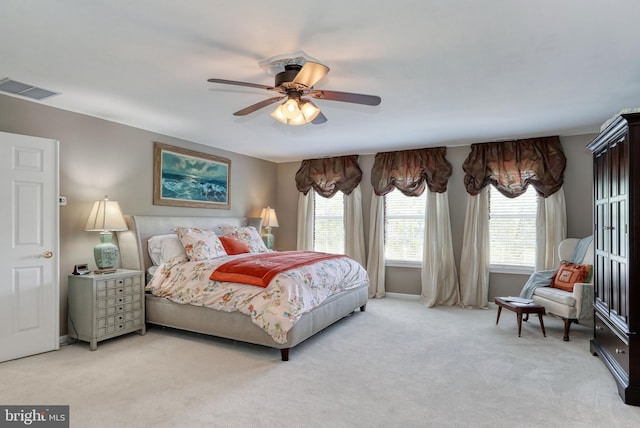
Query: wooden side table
{"points": [[519, 309]]}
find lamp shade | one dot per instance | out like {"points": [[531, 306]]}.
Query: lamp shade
{"points": [[269, 218], [105, 217]]}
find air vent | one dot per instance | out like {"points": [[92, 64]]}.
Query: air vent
{"points": [[17, 88]]}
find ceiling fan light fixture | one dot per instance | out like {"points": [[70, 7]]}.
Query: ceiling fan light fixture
{"points": [[278, 115], [306, 112], [291, 108], [309, 111], [299, 120]]}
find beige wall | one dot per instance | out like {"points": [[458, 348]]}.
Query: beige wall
{"points": [[577, 186], [99, 158]]}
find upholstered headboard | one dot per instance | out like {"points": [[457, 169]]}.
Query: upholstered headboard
{"points": [[133, 242]]}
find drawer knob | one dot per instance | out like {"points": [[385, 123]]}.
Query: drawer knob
{"points": [[599, 328], [619, 351]]}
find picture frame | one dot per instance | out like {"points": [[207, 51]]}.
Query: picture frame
{"points": [[186, 178]]}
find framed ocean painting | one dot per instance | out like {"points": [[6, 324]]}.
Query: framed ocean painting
{"points": [[185, 178]]}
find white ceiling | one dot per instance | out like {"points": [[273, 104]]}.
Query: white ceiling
{"points": [[449, 72]]}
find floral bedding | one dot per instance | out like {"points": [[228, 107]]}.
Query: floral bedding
{"points": [[275, 308]]}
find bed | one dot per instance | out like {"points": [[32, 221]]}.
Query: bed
{"points": [[231, 325]]}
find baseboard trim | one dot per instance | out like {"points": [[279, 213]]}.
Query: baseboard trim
{"points": [[403, 295]]}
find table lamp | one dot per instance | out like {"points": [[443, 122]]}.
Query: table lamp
{"points": [[105, 217], [269, 220]]}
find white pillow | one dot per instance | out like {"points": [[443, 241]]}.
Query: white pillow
{"points": [[200, 244], [165, 247]]}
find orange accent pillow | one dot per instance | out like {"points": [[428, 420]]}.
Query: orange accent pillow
{"points": [[568, 274], [234, 246]]}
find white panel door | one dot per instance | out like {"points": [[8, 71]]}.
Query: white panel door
{"points": [[29, 272]]}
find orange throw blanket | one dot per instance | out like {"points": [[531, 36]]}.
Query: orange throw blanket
{"points": [[261, 268]]}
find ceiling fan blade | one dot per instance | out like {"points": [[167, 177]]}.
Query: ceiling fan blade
{"points": [[257, 106], [234, 82], [310, 73], [347, 97], [320, 118]]}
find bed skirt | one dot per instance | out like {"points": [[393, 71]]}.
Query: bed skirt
{"points": [[238, 326]]}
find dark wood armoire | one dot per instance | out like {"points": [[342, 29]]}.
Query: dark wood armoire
{"points": [[616, 163]]}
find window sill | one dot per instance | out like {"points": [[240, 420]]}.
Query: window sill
{"points": [[402, 263], [517, 270]]}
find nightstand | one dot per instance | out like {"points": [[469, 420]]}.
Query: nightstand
{"points": [[102, 306]]}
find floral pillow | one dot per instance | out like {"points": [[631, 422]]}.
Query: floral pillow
{"points": [[247, 234], [200, 244]]}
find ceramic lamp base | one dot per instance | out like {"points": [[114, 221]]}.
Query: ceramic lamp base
{"points": [[105, 253], [268, 238]]}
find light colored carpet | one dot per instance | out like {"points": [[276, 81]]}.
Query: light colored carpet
{"points": [[398, 364]]}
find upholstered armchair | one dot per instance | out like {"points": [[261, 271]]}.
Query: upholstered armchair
{"points": [[571, 306]]}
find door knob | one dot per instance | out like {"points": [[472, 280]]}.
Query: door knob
{"points": [[46, 254]]}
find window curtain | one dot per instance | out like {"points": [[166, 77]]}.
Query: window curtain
{"points": [[411, 171], [551, 228], [354, 226], [326, 177], [510, 166], [439, 275], [375, 261], [474, 259], [304, 240]]}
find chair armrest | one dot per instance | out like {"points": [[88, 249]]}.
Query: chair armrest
{"points": [[583, 293]]}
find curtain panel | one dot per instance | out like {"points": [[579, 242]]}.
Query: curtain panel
{"points": [[512, 165], [327, 176], [354, 227], [375, 261], [306, 207], [410, 170]]}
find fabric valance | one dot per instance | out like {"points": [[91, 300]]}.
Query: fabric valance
{"points": [[409, 170], [512, 165], [327, 176]]}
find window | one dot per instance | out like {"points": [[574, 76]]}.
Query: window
{"points": [[328, 231], [512, 230], [403, 227]]}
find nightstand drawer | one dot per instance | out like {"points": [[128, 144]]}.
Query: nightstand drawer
{"points": [[134, 306], [105, 303], [111, 310], [133, 315]]}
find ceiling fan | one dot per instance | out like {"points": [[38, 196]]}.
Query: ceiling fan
{"points": [[294, 83]]}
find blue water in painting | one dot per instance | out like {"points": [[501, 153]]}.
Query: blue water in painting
{"points": [[189, 188]]}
